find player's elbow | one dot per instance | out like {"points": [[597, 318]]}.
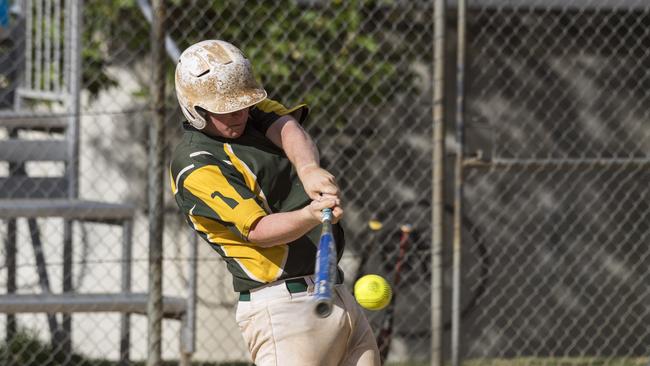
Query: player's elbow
{"points": [[258, 235], [263, 242]]}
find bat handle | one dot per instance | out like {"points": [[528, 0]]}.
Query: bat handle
{"points": [[326, 215]]}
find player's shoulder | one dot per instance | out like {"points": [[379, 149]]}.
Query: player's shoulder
{"points": [[196, 150], [269, 105], [200, 162], [273, 107]]}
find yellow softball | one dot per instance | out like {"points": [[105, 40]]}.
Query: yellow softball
{"points": [[372, 292]]}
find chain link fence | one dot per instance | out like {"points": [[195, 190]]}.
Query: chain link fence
{"points": [[558, 108], [555, 221]]}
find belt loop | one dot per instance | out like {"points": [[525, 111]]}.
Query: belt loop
{"points": [[310, 284]]}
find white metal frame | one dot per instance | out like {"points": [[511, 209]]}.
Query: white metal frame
{"points": [[44, 50]]}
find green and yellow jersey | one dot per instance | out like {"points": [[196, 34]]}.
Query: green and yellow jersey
{"points": [[223, 186]]}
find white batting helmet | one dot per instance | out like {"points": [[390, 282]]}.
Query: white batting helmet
{"points": [[216, 76]]}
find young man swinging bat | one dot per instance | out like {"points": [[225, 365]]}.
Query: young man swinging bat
{"points": [[247, 178]]}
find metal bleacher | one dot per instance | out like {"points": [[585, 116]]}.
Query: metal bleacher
{"points": [[41, 67]]}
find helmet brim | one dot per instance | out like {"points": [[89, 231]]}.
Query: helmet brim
{"points": [[233, 103]]}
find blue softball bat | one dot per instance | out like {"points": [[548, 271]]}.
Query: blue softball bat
{"points": [[325, 267]]}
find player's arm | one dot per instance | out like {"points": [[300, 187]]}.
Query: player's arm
{"points": [[221, 204], [301, 150], [284, 227]]}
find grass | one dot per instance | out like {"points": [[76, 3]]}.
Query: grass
{"points": [[26, 349], [545, 361], [561, 361]]}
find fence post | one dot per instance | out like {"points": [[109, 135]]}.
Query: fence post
{"points": [[188, 328], [458, 186], [73, 106], [156, 179], [438, 180]]}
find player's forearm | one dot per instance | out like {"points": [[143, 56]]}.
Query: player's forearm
{"points": [[299, 147], [303, 154], [282, 228], [296, 143]]}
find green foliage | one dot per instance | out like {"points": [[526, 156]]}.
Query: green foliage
{"points": [[323, 55], [94, 76], [26, 349], [115, 32]]}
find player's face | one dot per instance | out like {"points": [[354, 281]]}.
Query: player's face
{"points": [[229, 125]]}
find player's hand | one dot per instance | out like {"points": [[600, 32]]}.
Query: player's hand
{"points": [[316, 207], [318, 182]]}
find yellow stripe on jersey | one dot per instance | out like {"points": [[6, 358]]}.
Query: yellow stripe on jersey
{"points": [[249, 176], [271, 106], [260, 264], [209, 185]]}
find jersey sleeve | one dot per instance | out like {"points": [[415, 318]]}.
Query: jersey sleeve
{"points": [[220, 192], [264, 113]]}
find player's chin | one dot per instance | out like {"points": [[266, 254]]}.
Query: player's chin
{"points": [[234, 134]]}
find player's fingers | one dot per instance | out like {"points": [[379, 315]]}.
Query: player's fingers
{"points": [[318, 194], [323, 203], [337, 214], [329, 188], [335, 197]]}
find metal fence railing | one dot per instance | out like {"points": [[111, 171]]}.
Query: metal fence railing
{"points": [[554, 220]]}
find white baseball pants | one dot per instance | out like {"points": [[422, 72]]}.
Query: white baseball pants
{"points": [[281, 329]]}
